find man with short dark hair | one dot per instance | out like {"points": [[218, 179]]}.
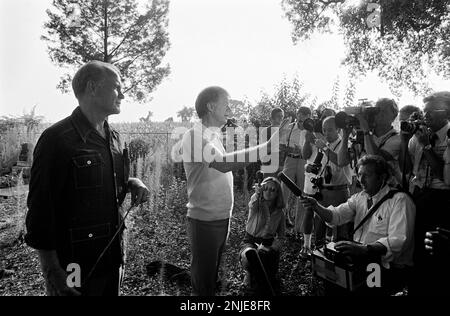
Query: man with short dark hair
{"points": [[387, 235], [79, 180], [406, 111], [210, 185]]}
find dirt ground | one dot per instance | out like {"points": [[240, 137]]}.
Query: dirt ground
{"points": [[157, 235]]}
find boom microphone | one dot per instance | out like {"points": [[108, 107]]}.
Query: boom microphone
{"points": [[290, 184]]}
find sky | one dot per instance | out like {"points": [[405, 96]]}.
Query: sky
{"points": [[243, 45]]}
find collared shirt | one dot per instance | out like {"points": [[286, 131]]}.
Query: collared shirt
{"points": [[262, 223], [391, 143], [78, 181], [210, 192], [423, 174], [341, 175], [392, 224], [294, 138]]}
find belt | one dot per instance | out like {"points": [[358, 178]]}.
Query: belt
{"points": [[294, 155], [335, 187]]}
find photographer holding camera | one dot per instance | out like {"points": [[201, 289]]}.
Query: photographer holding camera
{"points": [[431, 192], [410, 117], [327, 178], [386, 234], [381, 138], [294, 164]]}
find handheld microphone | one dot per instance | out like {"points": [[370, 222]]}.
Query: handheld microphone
{"points": [[290, 184]]}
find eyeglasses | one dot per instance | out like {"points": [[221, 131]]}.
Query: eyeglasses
{"points": [[269, 189]]}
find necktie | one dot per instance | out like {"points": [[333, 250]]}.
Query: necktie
{"points": [[369, 203]]}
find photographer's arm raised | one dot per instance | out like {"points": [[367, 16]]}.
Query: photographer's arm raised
{"points": [[404, 158], [330, 153], [369, 142], [343, 156], [307, 147], [437, 165]]}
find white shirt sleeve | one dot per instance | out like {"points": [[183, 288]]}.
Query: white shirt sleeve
{"points": [[401, 227], [345, 212]]}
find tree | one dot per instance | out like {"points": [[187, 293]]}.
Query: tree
{"points": [[241, 110], [111, 31], [403, 41], [29, 120], [289, 96], [186, 114]]}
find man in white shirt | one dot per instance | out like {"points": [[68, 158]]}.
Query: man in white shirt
{"points": [[388, 234], [294, 164], [335, 178], [210, 185], [431, 192]]}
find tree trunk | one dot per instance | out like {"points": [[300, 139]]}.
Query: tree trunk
{"points": [[105, 31]]}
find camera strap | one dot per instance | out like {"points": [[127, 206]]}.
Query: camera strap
{"points": [[374, 208], [290, 133], [391, 134], [328, 157]]}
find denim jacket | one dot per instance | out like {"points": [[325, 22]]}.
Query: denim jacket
{"points": [[78, 182]]}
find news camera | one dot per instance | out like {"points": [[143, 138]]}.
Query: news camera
{"points": [[314, 124], [414, 122], [347, 119]]}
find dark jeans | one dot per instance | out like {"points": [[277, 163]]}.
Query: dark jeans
{"points": [[270, 261], [207, 240], [108, 284], [431, 274]]}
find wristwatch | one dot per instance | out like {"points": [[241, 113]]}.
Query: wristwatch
{"points": [[427, 147]]}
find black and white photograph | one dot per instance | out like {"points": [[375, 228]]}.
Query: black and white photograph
{"points": [[225, 153]]}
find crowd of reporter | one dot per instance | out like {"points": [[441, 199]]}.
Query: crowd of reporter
{"points": [[376, 192]]}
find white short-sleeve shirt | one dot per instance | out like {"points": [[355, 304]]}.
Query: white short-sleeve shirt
{"points": [[210, 192]]}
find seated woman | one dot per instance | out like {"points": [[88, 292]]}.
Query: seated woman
{"points": [[265, 232]]}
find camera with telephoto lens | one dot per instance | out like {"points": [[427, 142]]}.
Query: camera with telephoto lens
{"points": [[413, 124], [347, 119], [314, 124]]}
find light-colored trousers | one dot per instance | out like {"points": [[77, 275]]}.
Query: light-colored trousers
{"points": [[294, 168]]}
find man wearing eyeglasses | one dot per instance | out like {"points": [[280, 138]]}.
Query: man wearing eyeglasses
{"points": [[431, 192]]}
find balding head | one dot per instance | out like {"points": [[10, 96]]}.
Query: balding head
{"points": [[94, 71], [329, 129]]}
